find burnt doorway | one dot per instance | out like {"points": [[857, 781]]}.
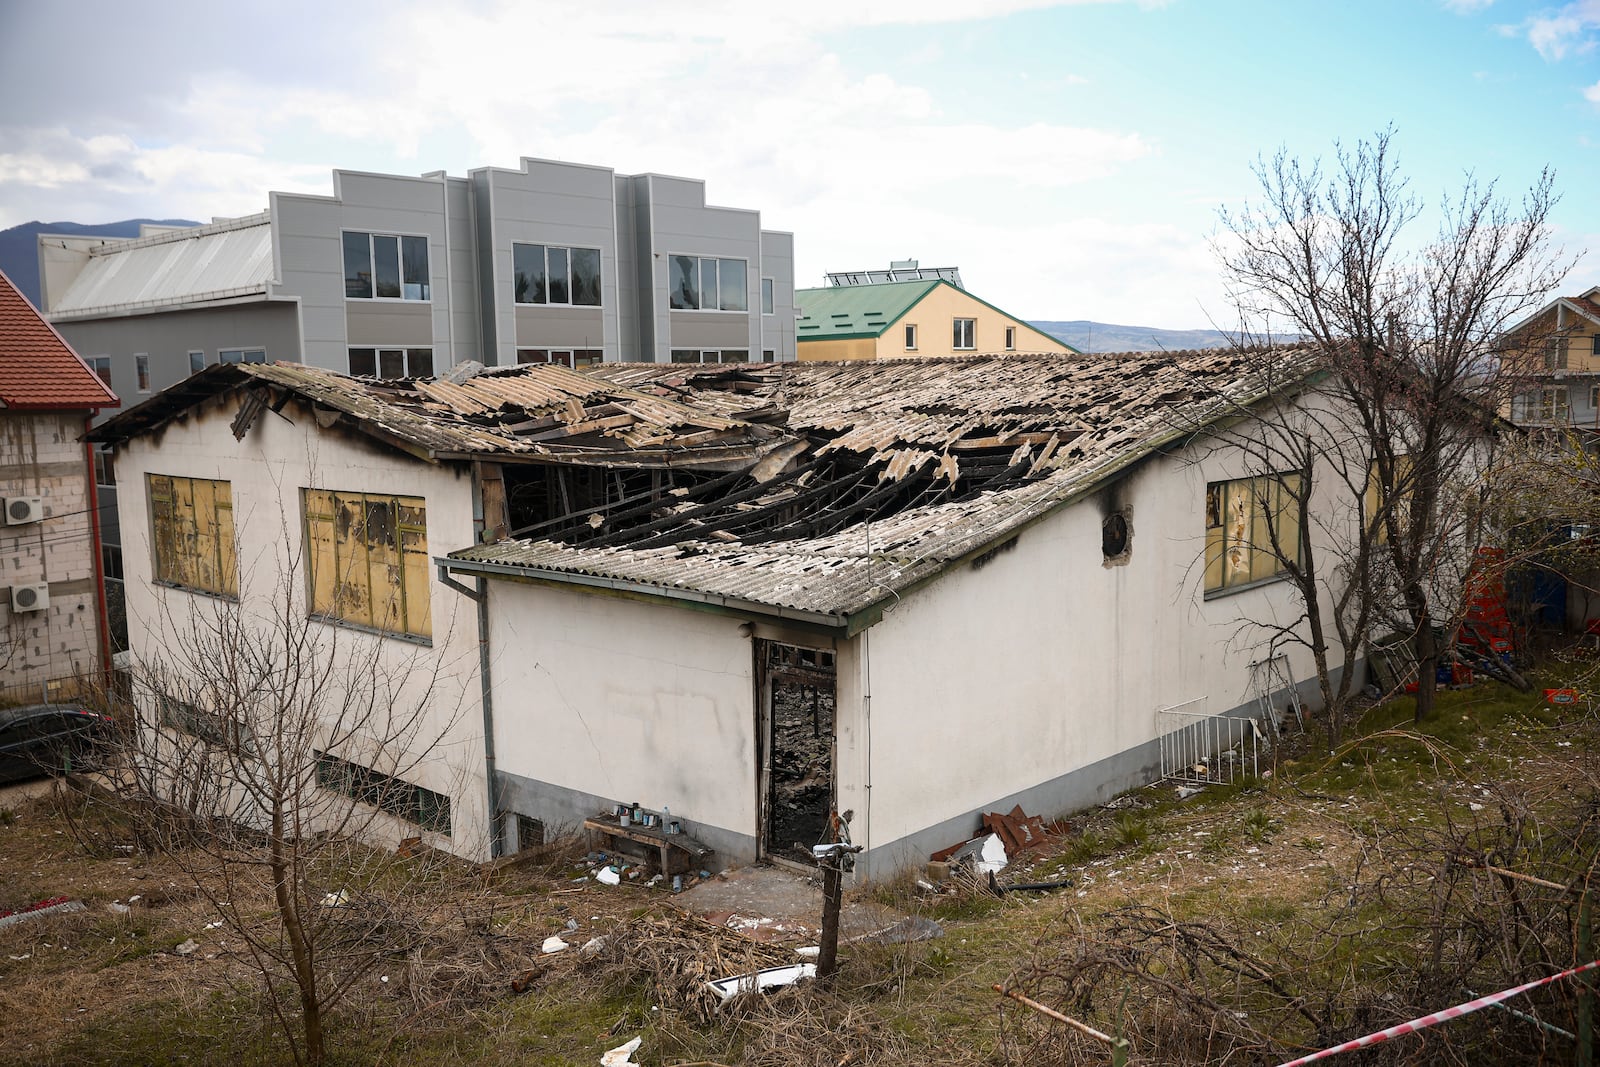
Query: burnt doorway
{"points": [[798, 701]]}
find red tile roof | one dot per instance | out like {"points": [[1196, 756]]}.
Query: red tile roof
{"points": [[38, 370]]}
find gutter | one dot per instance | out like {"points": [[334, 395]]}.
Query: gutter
{"points": [[834, 623], [103, 626], [480, 596]]}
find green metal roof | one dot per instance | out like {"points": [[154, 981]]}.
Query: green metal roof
{"points": [[848, 312], [843, 312]]}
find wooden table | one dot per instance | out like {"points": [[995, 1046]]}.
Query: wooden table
{"points": [[679, 853]]}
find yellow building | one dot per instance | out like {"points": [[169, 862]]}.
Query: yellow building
{"points": [[911, 319], [1556, 351]]}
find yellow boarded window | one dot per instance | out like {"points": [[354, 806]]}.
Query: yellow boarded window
{"points": [[1252, 530], [191, 523], [367, 560]]}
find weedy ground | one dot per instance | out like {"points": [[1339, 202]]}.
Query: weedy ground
{"points": [[1275, 870]]}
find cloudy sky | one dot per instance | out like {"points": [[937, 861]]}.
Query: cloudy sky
{"points": [[1069, 157]]}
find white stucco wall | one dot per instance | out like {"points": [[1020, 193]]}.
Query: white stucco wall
{"points": [[993, 680], [625, 701], [277, 458]]}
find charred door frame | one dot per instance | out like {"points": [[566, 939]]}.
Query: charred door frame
{"points": [[761, 649]]}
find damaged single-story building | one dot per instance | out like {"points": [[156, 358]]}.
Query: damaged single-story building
{"points": [[915, 590]]}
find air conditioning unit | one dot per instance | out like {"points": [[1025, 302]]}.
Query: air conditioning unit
{"points": [[21, 509], [30, 597]]}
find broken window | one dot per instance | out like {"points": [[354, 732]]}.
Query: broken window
{"points": [[413, 803], [368, 560], [1114, 535], [799, 712], [1252, 530], [191, 522]]}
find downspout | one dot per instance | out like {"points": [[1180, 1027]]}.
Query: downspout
{"points": [[480, 596], [103, 625]]}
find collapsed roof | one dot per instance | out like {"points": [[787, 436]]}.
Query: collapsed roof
{"points": [[809, 491]]}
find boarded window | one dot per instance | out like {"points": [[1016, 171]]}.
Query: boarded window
{"points": [[1252, 530], [192, 531], [369, 560]]}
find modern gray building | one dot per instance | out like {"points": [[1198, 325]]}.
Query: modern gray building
{"points": [[396, 276]]}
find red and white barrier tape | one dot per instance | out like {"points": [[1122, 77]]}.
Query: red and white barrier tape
{"points": [[1440, 1016]]}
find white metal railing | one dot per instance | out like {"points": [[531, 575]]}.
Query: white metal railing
{"points": [[1203, 749]]}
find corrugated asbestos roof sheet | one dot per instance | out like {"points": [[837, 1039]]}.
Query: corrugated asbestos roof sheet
{"points": [[544, 412], [856, 310], [38, 370], [222, 261], [1062, 424]]}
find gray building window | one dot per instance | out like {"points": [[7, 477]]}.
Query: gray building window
{"points": [[567, 357], [382, 266], [710, 355], [101, 365], [766, 296], [391, 362], [552, 274], [242, 355], [705, 284], [141, 369], [197, 362]]}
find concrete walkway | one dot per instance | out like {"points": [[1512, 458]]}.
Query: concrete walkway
{"points": [[778, 905]]}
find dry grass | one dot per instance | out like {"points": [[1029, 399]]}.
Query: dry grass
{"points": [[1258, 871]]}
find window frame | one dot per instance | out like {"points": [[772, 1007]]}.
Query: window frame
{"points": [[141, 371], [717, 355], [574, 357], [1555, 355], [1011, 338], [769, 296], [1549, 410], [677, 261], [388, 793], [971, 335], [569, 302], [400, 239], [327, 608], [406, 352], [223, 535], [911, 336], [101, 365], [1217, 514], [244, 352], [196, 365]]}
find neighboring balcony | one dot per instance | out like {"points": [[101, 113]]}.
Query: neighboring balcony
{"points": [[1560, 398]]}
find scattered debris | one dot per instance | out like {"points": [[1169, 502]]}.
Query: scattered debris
{"points": [[593, 946], [1017, 831], [341, 899], [620, 1056], [608, 876], [553, 944], [187, 948], [809, 952], [762, 980], [118, 907], [1001, 890], [910, 929], [48, 906]]}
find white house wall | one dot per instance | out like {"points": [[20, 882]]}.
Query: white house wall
{"points": [[1036, 678], [278, 457], [600, 700]]}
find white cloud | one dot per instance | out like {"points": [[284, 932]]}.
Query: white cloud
{"points": [[1565, 31], [1592, 94], [756, 99]]}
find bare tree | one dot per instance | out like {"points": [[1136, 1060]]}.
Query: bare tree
{"points": [[276, 756], [1405, 340]]}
